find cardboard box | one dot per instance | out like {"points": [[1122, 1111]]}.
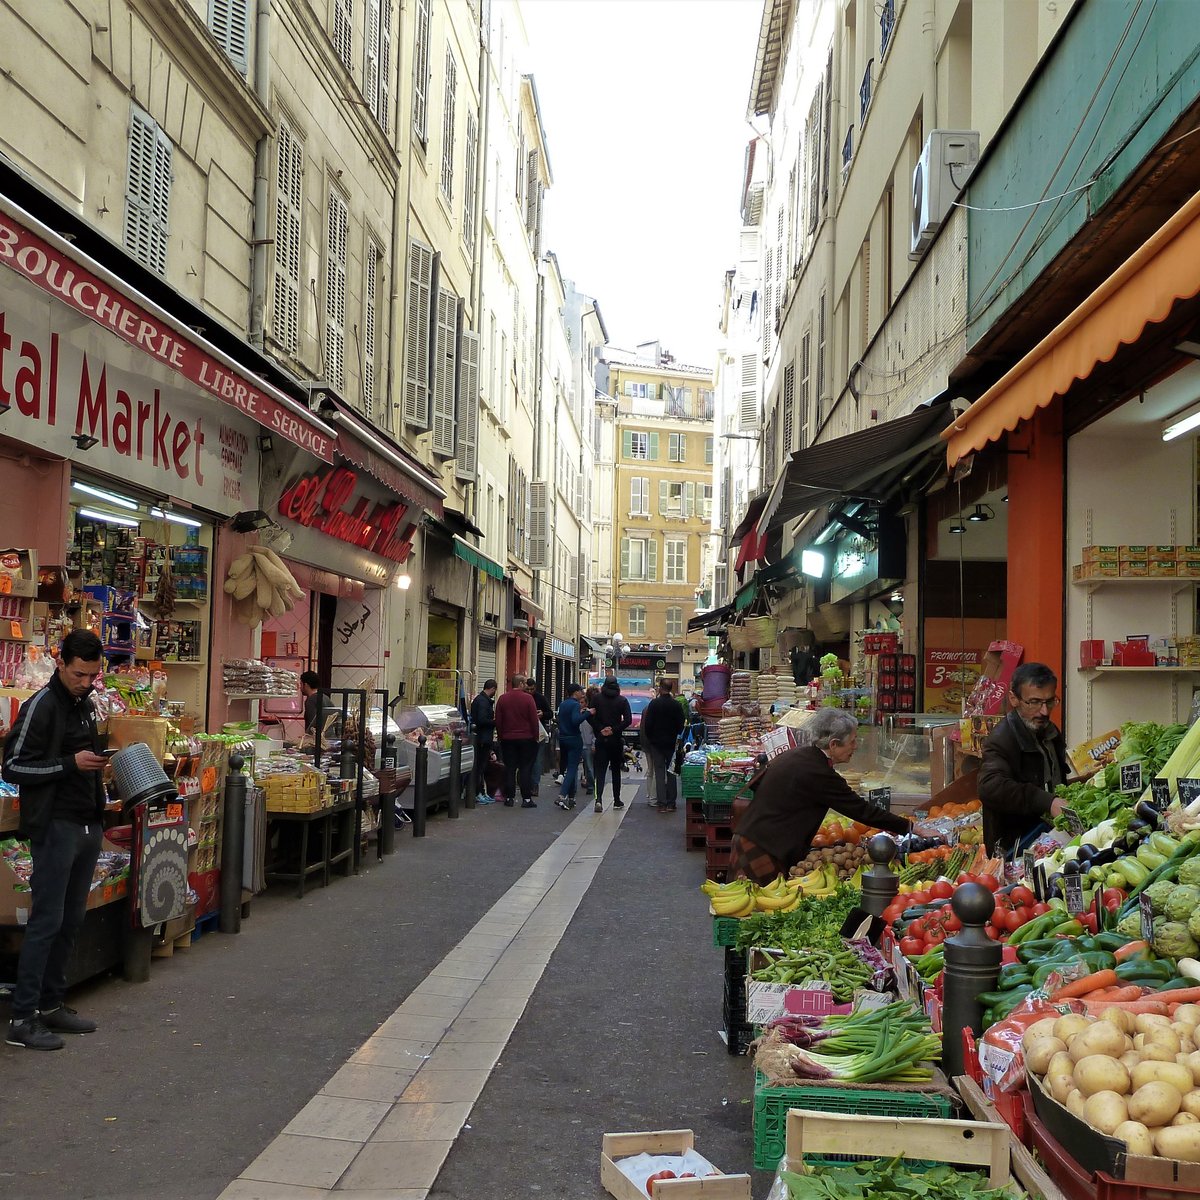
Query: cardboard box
{"points": [[974, 731], [10, 813], [1162, 552], [674, 1142], [15, 898], [988, 697], [1162, 568], [1187, 551], [1132, 568], [125, 730], [1077, 572], [1104, 568], [1093, 553], [18, 572], [1187, 568], [1091, 653], [1124, 552], [1091, 756]]}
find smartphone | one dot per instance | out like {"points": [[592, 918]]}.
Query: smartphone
{"points": [[109, 753]]}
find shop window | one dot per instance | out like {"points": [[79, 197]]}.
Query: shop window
{"points": [[289, 201], [148, 191], [637, 620], [676, 561], [229, 23], [450, 86], [674, 621], [337, 235]]}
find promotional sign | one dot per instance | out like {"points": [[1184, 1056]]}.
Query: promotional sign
{"points": [[949, 677]]}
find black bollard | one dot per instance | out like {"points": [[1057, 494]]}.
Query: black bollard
{"points": [[420, 788], [233, 840], [136, 945], [972, 967], [386, 841], [454, 796], [880, 885]]}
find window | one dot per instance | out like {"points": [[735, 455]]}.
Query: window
{"points": [[639, 445], [676, 499], [789, 406], [337, 233], [637, 391], [637, 620], [343, 41], [147, 191], [470, 188], [706, 408], [533, 197], [416, 336], [466, 418], [706, 501], [229, 23], [377, 63], [708, 451], [674, 621], [421, 73], [805, 362], [639, 559], [820, 396], [639, 497], [448, 125], [677, 447], [887, 21], [676, 561], [289, 201], [444, 363], [370, 322]]}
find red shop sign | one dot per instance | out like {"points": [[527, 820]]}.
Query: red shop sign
{"points": [[319, 502]]}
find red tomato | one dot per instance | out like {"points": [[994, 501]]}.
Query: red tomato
{"points": [[1025, 913], [1022, 895], [914, 947], [651, 1180], [937, 935], [953, 924], [1039, 908], [992, 931], [916, 898], [891, 914], [988, 881], [967, 877], [688, 1175], [942, 890]]}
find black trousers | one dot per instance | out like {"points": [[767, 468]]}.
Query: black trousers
{"points": [[609, 756], [520, 759]]}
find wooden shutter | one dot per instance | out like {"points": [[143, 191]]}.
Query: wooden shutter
{"points": [[467, 424], [229, 23], [789, 406], [343, 32], [371, 56], [148, 192], [768, 308], [689, 499], [370, 292], [626, 443], [337, 235], [470, 170], [445, 360], [539, 548], [383, 102], [532, 180], [448, 109], [421, 72], [748, 417], [416, 336], [653, 451], [624, 558], [651, 559], [289, 201]]}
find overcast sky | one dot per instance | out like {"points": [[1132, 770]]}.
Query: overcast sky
{"points": [[644, 105]]}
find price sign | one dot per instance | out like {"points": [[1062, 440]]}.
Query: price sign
{"points": [[1160, 794], [1075, 825], [1074, 896], [14, 630], [882, 798], [1189, 790], [1147, 915], [1029, 865], [1131, 777]]}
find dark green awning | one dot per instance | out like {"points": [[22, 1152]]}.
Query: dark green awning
{"points": [[477, 558], [746, 596]]}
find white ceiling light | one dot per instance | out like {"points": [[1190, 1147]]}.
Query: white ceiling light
{"points": [[1181, 423], [166, 516], [110, 518], [111, 497]]}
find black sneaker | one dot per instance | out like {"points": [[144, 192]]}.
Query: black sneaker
{"points": [[32, 1035], [598, 806], [618, 804], [571, 802], [509, 803], [529, 804], [561, 803], [66, 1020]]}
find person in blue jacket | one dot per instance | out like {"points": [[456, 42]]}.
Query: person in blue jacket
{"points": [[571, 715]]}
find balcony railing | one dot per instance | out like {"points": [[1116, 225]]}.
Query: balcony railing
{"points": [[887, 22], [847, 151], [864, 93], [695, 409]]}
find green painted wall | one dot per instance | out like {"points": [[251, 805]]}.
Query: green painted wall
{"points": [[1122, 73]]}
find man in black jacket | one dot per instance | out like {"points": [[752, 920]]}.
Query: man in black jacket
{"points": [[662, 723], [1024, 760], [483, 727], [610, 719], [52, 755]]}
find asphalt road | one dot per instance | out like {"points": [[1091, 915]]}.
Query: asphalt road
{"points": [[191, 1075]]}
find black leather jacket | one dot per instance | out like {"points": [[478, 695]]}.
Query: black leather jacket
{"points": [[1013, 780]]}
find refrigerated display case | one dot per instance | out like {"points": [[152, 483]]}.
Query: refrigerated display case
{"points": [[438, 723]]}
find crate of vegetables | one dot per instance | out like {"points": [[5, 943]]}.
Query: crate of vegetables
{"points": [[665, 1164]]}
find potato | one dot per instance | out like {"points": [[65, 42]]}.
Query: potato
{"points": [[1191, 1101], [1039, 1055], [1193, 1065], [1164, 1037], [1061, 1085], [1179, 1077], [1144, 1022], [1105, 1111], [1155, 1052], [1075, 1102], [1188, 1014], [1100, 1038], [1185, 1118], [1065, 1027], [1040, 1029], [1130, 1059], [1179, 1141], [1120, 1018], [1060, 1064], [1186, 1042], [1099, 1073], [1154, 1103], [1136, 1137]]}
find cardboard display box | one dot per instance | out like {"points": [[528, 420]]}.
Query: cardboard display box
{"points": [[15, 899], [18, 572], [617, 1146]]}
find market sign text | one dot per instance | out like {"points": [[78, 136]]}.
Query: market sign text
{"points": [[319, 502]]}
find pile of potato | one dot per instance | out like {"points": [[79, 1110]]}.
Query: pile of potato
{"points": [[1133, 1077], [847, 857]]}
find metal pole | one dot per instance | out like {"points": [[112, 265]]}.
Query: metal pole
{"points": [[879, 885], [454, 796], [972, 967], [420, 788], [233, 837], [386, 842]]}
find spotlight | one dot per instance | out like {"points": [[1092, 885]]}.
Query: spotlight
{"points": [[404, 582], [84, 441], [958, 528], [250, 520], [980, 515], [265, 443]]}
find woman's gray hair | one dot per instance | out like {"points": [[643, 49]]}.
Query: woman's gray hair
{"points": [[831, 725]]}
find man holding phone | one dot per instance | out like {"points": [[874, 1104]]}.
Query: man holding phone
{"points": [[53, 755]]}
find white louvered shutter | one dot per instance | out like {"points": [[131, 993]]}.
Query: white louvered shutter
{"points": [[467, 456], [343, 32], [448, 111], [337, 236], [383, 105], [229, 23], [768, 308], [445, 357], [421, 72], [748, 417], [370, 292], [689, 499], [651, 559], [539, 526], [416, 336], [371, 56], [148, 192], [289, 199]]}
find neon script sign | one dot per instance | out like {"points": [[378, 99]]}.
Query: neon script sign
{"points": [[319, 501]]}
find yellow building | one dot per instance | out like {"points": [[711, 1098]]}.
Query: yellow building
{"points": [[661, 500]]}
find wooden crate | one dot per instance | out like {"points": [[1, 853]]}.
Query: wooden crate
{"points": [[663, 1141]]}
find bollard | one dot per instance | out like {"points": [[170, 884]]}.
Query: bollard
{"points": [[454, 795], [475, 781], [386, 842], [972, 967], [136, 945], [233, 837], [880, 884], [420, 788]]}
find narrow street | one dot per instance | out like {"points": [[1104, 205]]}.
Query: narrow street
{"points": [[230, 1043]]}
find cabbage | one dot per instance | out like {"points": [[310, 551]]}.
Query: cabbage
{"points": [[1130, 925], [1194, 925], [1189, 873], [1173, 939], [1181, 903], [1159, 894]]}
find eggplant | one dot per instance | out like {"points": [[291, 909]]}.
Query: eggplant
{"points": [[1129, 843], [1056, 885], [1106, 856], [1073, 867], [1087, 850], [1138, 826], [1148, 813]]}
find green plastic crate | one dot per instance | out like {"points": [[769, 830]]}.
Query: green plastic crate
{"points": [[771, 1105], [717, 812], [721, 793], [725, 930]]}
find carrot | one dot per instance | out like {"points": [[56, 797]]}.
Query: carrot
{"points": [[1183, 996], [1116, 995], [1089, 983], [1096, 1007], [1129, 950]]}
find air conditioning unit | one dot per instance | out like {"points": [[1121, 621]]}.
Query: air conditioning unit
{"points": [[942, 171]]}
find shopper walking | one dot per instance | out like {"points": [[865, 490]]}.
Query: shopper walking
{"points": [[571, 718], [52, 754], [483, 729], [610, 720], [662, 723], [588, 734], [517, 728]]}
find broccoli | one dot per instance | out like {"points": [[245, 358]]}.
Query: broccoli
{"points": [[1189, 872], [1159, 894], [1173, 939], [1181, 903], [1130, 925]]}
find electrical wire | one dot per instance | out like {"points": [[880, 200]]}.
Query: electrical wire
{"points": [[1019, 207]]}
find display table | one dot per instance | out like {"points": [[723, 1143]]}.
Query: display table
{"points": [[319, 841]]}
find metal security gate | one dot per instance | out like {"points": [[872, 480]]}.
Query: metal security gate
{"points": [[486, 668]]}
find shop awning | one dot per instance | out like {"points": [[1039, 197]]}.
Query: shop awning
{"points": [[477, 558], [1140, 292], [865, 465], [707, 620], [746, 596], [749, 518], [591, 645], [460, 523], [528, 606]]}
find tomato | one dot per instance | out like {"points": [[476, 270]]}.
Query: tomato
{"points": [[992, 931], [891, 914], [1039, 909], [913, 947], [1025, 913], [689, 1175], [1022, 895], [917, 898], [988, 881], [936, 936], [942, 890], [967, 877], [953, 924], [651, 1180]]}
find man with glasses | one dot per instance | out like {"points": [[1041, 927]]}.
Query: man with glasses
{"points": [[1024, 760]]}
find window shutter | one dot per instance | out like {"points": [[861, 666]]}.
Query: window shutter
{"points": [[467, 425], [337, 235], [768, 310], [789, 406], [443, 373], [371, 56], [370, 291], [343, 39], [653, 455], [626, 443], [416, 336], [689, 499], [539, 548], [664, 496], [651, 559], [148, 192], [289, 200], [532, 179], [625, 558], [383, 101], [470, 192], [421, 72], [229, 22], [448, 110], [748, 416]]}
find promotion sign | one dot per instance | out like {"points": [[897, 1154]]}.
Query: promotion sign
{"points": [[949, 677]]}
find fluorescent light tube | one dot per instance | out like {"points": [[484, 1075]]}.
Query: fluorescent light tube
{"points": [[166, 516], [111, 518], [1181, 423], [111, 497]]}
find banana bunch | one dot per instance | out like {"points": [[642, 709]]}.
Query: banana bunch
{"points": [[740, 897], [781, 895], [261, 586], [821, 882]]}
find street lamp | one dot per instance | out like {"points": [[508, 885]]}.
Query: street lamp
{"points": [[617, 650]]}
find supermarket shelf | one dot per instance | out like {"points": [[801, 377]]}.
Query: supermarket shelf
{"points": [[1091, 672], [261, 695], [1177, 583], [183, 662], [184, 601]]}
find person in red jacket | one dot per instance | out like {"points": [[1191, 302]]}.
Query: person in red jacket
{"points": [[517, 723]]}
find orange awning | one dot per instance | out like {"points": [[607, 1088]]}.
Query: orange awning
{"points": [[1164, 269]]}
